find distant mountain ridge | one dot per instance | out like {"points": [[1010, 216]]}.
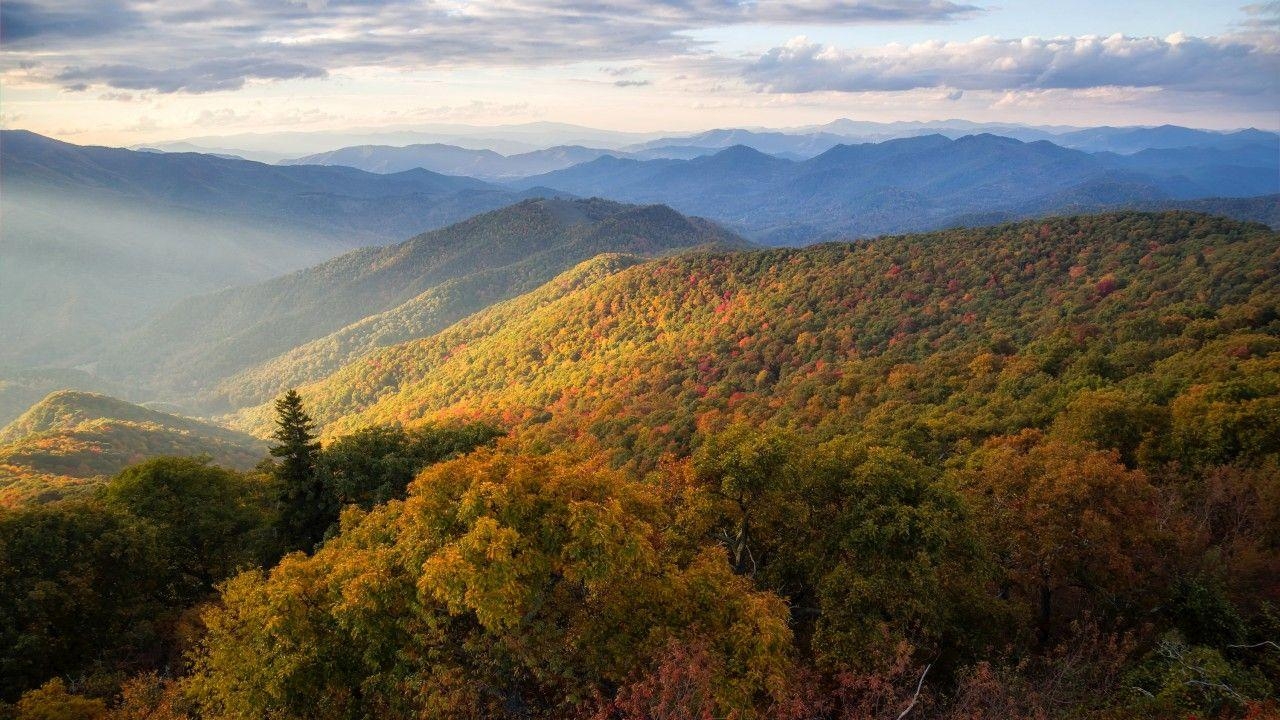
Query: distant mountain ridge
{"points": [[95, 239], [426, 283], [793, 145], [452, 160], [915, 184], [796, 142]]}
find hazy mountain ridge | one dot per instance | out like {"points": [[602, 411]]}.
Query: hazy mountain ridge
{"points": [[462, 268], [452, 160], [795, 144], [914, 184], [96, 239], [416, 318], [802, 141]]}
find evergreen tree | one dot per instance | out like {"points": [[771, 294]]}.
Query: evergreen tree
{"points": [[304, 502]]}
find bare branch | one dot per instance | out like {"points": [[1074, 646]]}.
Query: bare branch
{"points": [[916, 697], [1272, 643]]}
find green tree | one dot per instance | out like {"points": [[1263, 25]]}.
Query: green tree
{"points": [[210, 519], [376, 464], [305, 505], [83, 589]]}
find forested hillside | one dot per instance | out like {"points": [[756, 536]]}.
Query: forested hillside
{"points": [[70, 442], [842, 335], [385, 295], [1025, 471], [418, 317], [1022, 472]]}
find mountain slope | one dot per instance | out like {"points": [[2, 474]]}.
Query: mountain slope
{"points": [[914, 184], [433, 280], [97, 238], [68, 442], [837, 335]]}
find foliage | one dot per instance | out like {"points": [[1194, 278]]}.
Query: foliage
{"points": [[212, 519], [97, 587], [374, 465], [1065, 519], [53, 702], [501, 585], [1024, 472]]}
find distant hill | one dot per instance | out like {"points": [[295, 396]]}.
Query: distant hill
{"points": [[69, 442], [97, 238], [452, 160], [377, 296], [1024, 314], [20, 389], [1136, 139], [915, 184], [790, 145], [801, 143]]}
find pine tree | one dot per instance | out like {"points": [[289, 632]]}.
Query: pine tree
{"points": [[304, 504]]}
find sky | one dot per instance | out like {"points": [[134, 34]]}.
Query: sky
{"points": [[124, 72]]}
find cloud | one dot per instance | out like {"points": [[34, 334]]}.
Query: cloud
{"points": [[1262, 16], [631, 83], [201, 77], [147, 45], [26, 21], [1228, 65]]}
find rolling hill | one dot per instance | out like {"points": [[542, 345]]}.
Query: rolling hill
{"points": [[379, 296], [71, 441], [915, 184], [97, 238], [970, 332]]}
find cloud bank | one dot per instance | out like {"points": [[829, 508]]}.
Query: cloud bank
{"points": [[143, 45], [1235, 65]]}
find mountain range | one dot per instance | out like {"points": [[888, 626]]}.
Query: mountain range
{"points": [[793, 145], [453, 160], [915, 184], [800, 141], [96, 238]]}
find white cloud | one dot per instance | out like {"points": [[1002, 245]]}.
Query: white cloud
{"points": [[142, 44], [1225, 65]]}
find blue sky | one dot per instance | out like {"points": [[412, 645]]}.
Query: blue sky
{"points": [[126, 71]]}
